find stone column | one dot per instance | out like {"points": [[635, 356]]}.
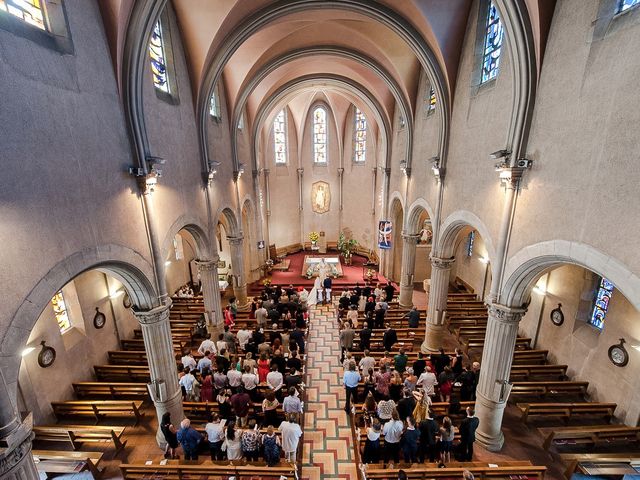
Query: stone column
{"points": [[437, 303], [16, 462], [237, 267], [410, 240], [208, 270], [495, 369], [158, 345]]}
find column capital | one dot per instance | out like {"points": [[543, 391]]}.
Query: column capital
{"points": [[207, 265], [505, 314], [235, 241], [155, 315], [412, 238], [14, 455], [300, 171], [340, 171], [442, 263]]}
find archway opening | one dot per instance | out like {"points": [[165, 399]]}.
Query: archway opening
{"points": [[180, 267], [471, 271]]}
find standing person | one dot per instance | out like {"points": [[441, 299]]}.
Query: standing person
{"points": [[291, 433], [292, 403], [352, 315], [169, 432], [468, 429], [207, 345], [406, 405], [346, 340], [428, 381], [326, 285], [389, 338], [261, 315], [419, 365], [206, 389], [367, 362], [263, 367], [188, 382], [392, 435], [250, 442], [215, 434], [232, 442], [389, 290], [413, 317], [379, 314], [371, 452], [410, 441], [241, 402], [365, 337], [447, 434], [456, 363], [271, 447], [440, 361], [189, 439], [297, 337], [428, 432], [400, 361], [467, 384], [445, 384], [270, 406], [351, 379]]}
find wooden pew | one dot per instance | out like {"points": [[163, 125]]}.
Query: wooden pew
{"points": [[544, 389], [590, 435], [608, 463], [55, 461], [79, 434], [477, 343], [479, 472], [566, 410], [111, 390], [201, 411], [126, 373], [525, 372], [98, 409], [138, 344], [174, 471], [127, 357], [471, 321], [470, 331]]}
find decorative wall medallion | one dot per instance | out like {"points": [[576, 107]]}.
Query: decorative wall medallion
{"points": [[126, 301], [618, 354], [47, 355], [320, 197], [99, 319], [557, 317]]}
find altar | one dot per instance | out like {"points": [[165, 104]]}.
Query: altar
{"points": [[313, 265]]}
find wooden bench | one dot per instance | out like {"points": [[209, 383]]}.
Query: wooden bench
{"points": [[470, 331], [477, 343], [479, 472], [138, 344], [566, 410], [590, 435], [127, 357], [525, 372], [128, 373], [54, 461], [111, 390], [79, 434], [206, 469], [608, 463], [471, 321], [544, 389], [99, 409]]}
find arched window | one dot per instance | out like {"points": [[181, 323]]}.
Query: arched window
{"points": [[492, 45], [214, 104], [431, 101], [320, 136], [627, 4], [280, 138], [30, 11], [470, 241], [60, 311], [158, 59], [601, 303], [360, 137]]}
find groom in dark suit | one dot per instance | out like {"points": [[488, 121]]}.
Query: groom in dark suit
{"points": [[326, 284], [467, 430]]}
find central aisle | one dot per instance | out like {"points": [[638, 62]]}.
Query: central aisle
{"points": [[328, 446]]}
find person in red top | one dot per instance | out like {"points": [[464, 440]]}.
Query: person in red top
{"points": [[228, 317], [264, 367], [240, 403]]}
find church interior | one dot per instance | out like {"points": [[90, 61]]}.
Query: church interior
{"points": [[237, 206]]}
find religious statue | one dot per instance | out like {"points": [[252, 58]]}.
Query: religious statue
{"points": [[320, 197]]}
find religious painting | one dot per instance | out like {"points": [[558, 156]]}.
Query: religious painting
{"points": [[320, 197], [385, 229]]}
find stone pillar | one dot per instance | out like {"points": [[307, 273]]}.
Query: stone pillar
{"points": [[437, 303], [237, 267], [208, 270], [410, 240], [16, 462], [158, 345], [495, 369]]}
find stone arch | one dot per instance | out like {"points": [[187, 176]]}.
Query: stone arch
{"points": [[193, 226], [229, 221], [526, 266], [414, 211], [124, 264], [446, 242]]}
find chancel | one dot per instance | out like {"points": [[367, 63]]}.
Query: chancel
{"points": [[363, 239]]}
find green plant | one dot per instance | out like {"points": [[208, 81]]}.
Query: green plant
{"points": [[346, 245]]}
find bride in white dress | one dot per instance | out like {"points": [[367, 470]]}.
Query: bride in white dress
{"points": [[313, 294]]}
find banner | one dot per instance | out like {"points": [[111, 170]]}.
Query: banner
{"points": [[385, 229]]}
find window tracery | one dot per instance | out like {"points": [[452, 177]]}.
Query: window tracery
{"points": [[360, 137], [320, 136], [601, 303], [280, 138], [492, 45], [158, 59]]}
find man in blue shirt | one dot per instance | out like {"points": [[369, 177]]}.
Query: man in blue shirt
{"points": [[189, 439], [351, 379]]}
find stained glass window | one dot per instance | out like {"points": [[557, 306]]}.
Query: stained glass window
{"points": [[492, 45], [158, 59], [30, 11], [360, 141], [627, 4], [214, 104], [319, 135], [280, 138], [60, 311], [470, 239], [431, 105], [601, 303]]}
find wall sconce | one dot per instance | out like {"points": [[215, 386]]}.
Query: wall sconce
{"points": [[512, 174], [149, 180], [437, 170], [404, 168], [238, 173], [500, 154], [212, 171]]}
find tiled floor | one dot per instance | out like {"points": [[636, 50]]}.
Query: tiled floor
{"points": [[328, 445]]}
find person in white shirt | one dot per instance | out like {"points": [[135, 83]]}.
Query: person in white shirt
{"points": [[243, 337], [261, 315], [367, 362], [234, 377], [392, 431], [275, 379], [221, 344], [250, 381], [428, 381], [208, 344], [291, 433], [189, 362], [215, 435], [205, 362], [189, 382]]}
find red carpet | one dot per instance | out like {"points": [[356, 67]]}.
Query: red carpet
{"points": [[352, 273]]}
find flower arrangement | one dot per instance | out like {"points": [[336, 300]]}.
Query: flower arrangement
{"points": [[314, 236], [309, 272], [266, 282], [370, 274]]}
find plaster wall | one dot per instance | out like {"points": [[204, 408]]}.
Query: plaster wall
{"points": [[470, 268], [423, 264], [583, 348], [177, 271]]}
